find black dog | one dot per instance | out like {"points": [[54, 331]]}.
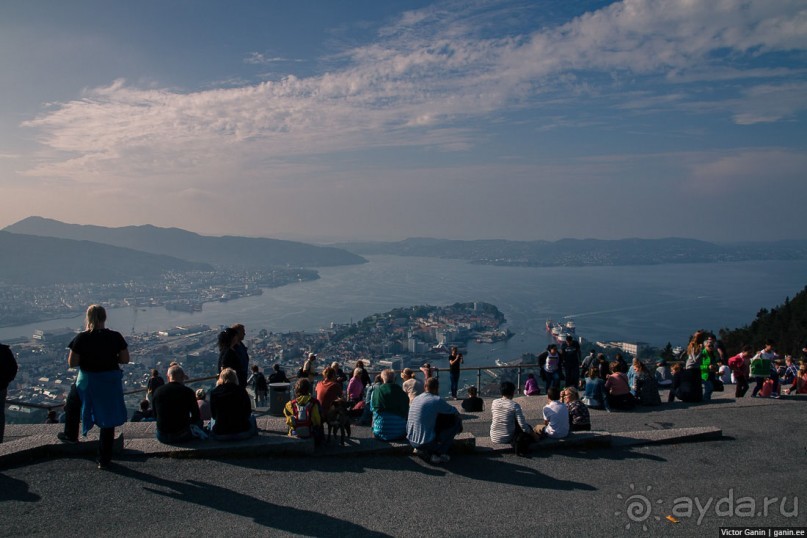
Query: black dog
{"points": [[338, 419]]}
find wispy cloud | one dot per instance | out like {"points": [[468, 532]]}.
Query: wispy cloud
{"points": [[420, 83], [259, 58]]}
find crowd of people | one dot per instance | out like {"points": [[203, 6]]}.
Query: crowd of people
{"points": [[411, 410]]}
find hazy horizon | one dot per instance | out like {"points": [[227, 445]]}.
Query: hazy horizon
{"points": [[457, 119]]}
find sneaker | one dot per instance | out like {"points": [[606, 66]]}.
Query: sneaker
{"points": [[415, 452], [774, 395], [436, 460], [61, 436], [444, 458]]}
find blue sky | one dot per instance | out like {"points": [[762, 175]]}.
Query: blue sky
{"points": [[321, 120]]}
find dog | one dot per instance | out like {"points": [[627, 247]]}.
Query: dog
{"points": [[338, 419]]}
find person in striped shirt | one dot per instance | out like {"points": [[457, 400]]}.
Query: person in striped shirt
{"points": [[509, 426]]}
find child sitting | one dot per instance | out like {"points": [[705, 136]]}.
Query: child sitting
{"points": [[556, 417], [579, 418], [531, 387]]}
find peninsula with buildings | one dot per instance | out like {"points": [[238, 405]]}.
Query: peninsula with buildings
{"points": [[403, 337]]}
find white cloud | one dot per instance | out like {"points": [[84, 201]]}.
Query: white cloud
{"points": [[413, 86]]}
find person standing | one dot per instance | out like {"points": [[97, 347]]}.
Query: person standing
{"points": [[98, 353], [228, 358], [8, 371], [570, 358], [740, 367], [243, 354], [550, 363], [455, 359], [708, 365]]}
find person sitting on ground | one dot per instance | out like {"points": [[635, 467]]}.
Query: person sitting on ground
{"points": [[791, 371], [631, 375], [663, 375], [367, 412], [204, 405], [144, 412], [328, 390], [509, 426], [231, 409], [155, 381], [51, 418], [619, 396], [645, 386], [432, 424], [556, 417], [411, 385], [799, 385], [176, 409], [338, 374], [531, 387], [686, 385], [473, 403], [579, 417], [355, 388], [278, 375], [390, 407], [302, 413], [259, 385], [595, 396]]}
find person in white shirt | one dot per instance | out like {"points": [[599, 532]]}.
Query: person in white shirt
{"points": [[556, 417]]}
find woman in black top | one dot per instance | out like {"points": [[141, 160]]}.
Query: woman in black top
{"points": [[228, 358], [231, 409], [98, 352]]}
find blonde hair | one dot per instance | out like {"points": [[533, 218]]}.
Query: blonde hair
{"points": [[227, 375], [357, 372], [96, 317]]}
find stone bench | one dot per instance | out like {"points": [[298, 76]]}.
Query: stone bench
{"points": [[262, 444], [592, 439], [45, 445]]}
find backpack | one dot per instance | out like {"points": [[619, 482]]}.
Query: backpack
{"points": [[301, 418]]}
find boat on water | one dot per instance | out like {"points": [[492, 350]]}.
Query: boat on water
{"points": [[560, 330]]}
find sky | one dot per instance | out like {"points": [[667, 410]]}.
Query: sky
{"points": [[365, 120]]}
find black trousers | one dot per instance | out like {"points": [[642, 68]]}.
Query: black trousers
{"points": [[72, 419]]}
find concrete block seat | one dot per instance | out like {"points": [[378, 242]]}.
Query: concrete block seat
{"points": [[262, 444], [45, 444], [592, 439]]}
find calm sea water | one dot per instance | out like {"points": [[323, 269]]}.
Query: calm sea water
{"points": [[655, 304]]}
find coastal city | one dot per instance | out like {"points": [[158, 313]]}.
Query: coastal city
{"points": [[185, 291], [399, 338]]}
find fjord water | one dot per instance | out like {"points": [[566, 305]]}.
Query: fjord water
{"points": [[654, 304]]}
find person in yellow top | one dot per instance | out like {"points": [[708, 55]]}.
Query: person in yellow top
{"points": [[302, 413]]}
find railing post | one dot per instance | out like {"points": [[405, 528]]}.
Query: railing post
{"points": [[518, 381], [479, 381]]}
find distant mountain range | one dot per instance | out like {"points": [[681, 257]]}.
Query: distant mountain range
{"points": [[37, 261], [585, 252], [226, 251]]}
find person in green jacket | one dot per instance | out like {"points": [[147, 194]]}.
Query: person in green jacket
{"points": [[708, 364]]}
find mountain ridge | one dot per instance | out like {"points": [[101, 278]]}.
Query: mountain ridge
{"points": [[222, 251]]}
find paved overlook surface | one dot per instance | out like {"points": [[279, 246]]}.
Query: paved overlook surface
{"points": [[342, 491]]}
